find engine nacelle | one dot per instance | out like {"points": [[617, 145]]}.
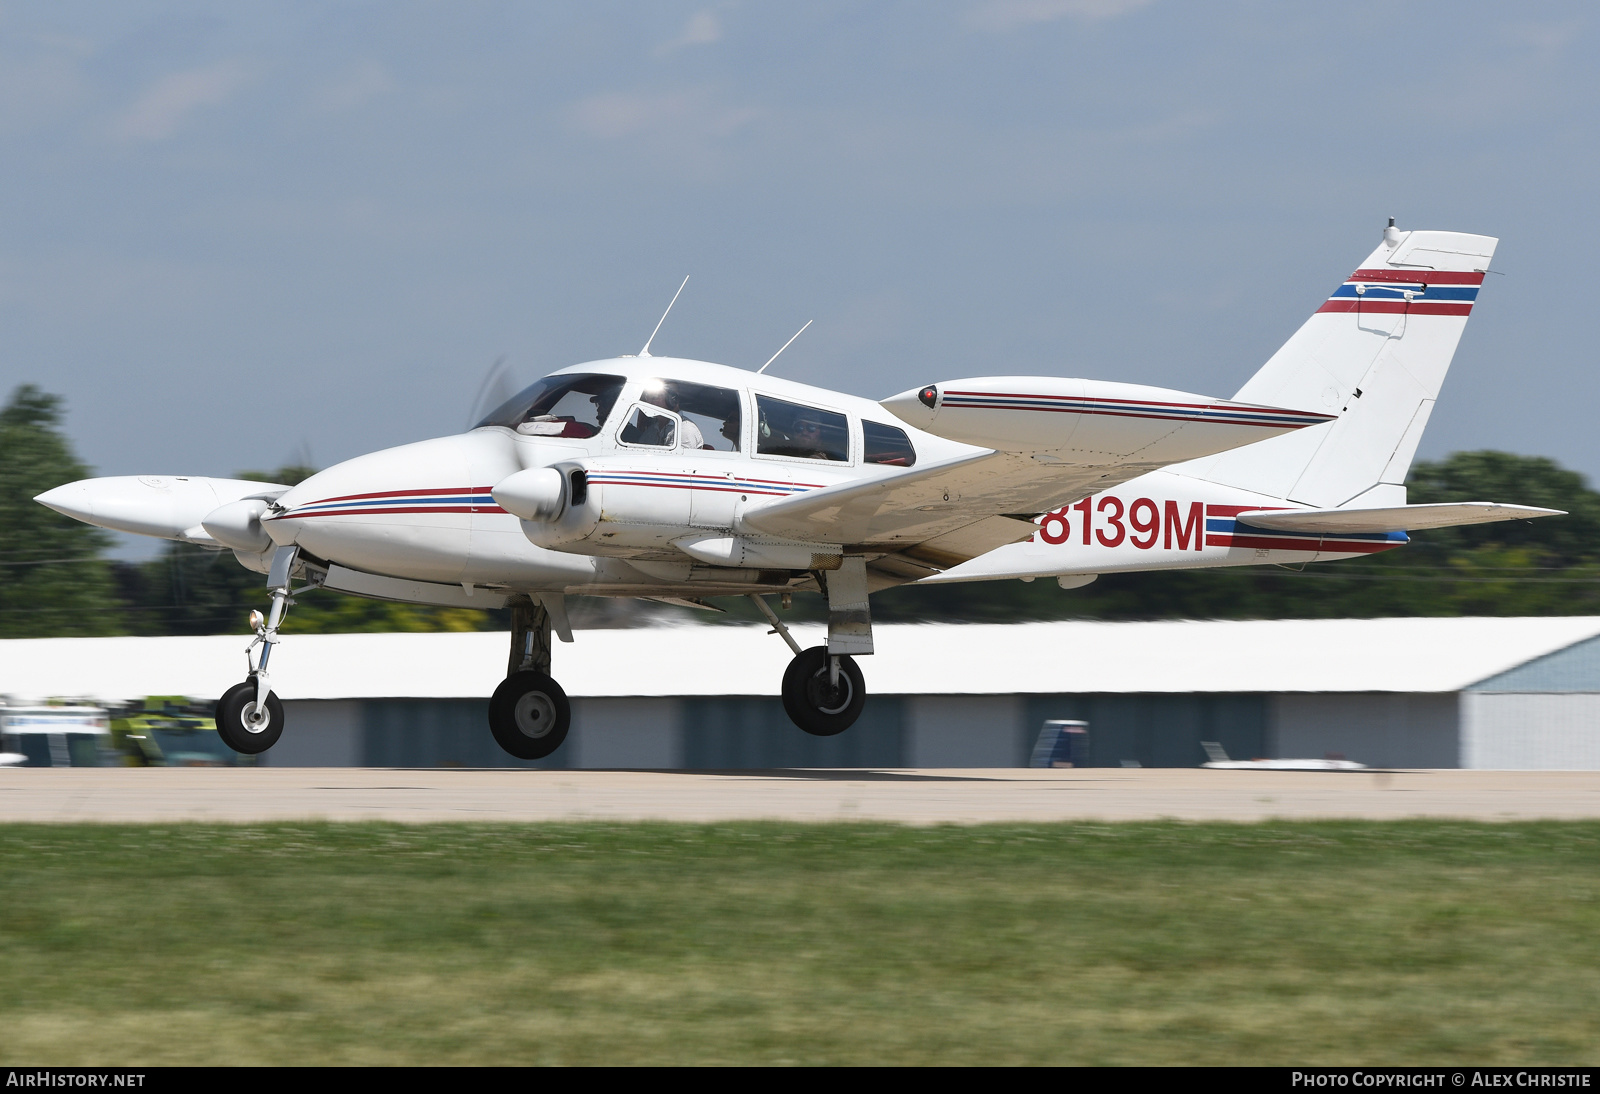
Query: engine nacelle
{"points": [[238, 525], [557, 505], [537, 494]]}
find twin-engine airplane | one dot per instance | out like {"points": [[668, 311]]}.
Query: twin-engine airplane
{"points": [[678, 480]]}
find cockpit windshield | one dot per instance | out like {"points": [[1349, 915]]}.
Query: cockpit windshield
{"points": [[564, 405]]}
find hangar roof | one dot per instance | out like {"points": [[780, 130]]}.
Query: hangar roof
{"points": [[1571, 668], [1331, 655]]}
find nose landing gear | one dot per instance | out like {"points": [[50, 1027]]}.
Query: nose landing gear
{"points": [[243, 725], [529, 714], [249, 716]]}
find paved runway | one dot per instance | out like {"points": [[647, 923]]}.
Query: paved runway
{"points": [[912, 797]]}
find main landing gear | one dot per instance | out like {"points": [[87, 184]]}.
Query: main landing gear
{"points": [[529, 714], [823, 689], [249, 716], [823, 694]]}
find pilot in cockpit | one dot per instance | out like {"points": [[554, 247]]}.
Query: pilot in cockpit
{"points": [[666, 397]]}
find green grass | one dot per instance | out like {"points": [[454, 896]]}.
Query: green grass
{"points": [[1413, 942]]}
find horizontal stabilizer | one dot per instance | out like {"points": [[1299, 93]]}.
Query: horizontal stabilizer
{"points": [[1400, 518], [1092, 422]]}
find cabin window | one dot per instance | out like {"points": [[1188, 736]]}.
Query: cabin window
{"points": [[710, 415], [650, 428], [788, 429], [564, 405], [886, 444]]}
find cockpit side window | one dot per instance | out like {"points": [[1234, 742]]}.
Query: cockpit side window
{"points": [[886, 444], [711, 417], [564, 405], [649, 428], [789, 429]]}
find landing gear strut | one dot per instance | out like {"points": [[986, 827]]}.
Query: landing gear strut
{"points": [[529, 714], [249, 716], [823, 689]]}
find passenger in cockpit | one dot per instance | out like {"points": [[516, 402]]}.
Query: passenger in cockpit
{"points": [[808, 440]]}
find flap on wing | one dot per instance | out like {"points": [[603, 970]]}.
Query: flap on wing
{"points": [[967, 543], [1400, 518], [898, 511]]}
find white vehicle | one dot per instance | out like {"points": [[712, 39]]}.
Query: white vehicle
{"points": [[678, 480], [1217, 759], [53, 736]]}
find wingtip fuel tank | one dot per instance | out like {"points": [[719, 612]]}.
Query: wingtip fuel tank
{"points": [[165, 506]]}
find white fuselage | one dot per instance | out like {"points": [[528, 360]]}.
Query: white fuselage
{"points": [[424, 511]]}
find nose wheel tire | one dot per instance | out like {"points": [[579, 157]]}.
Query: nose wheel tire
{"points": [[811, 699], [529, 715], [234, 720]]}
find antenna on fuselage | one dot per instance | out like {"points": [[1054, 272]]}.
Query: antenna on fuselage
{"points": [[646, 351], [785, 346]]}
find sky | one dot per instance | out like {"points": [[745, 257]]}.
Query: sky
{"points": [[236, 236]]}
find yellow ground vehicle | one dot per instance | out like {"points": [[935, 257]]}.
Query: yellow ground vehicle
{"points": [[171, 731]]}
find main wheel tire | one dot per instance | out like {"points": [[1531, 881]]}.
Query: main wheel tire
{"points": [[234, 709], [811, 700], [529, 715]]}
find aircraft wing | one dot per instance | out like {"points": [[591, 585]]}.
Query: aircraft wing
{"points": [[1400, 518], [969, 505]]}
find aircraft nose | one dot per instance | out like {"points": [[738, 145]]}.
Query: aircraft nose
{"points": [[403, 511], [328, 499]]}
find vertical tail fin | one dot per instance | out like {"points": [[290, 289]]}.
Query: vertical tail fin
{"points": [[1375, 354]]}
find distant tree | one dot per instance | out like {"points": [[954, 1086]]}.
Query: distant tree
{"points": [[290, 474], [53, 580], [1525, 480]]}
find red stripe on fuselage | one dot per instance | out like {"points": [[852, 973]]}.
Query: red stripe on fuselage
{"points": [[707, 487], [293, 515], [1135, 404], [403, 494]]}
